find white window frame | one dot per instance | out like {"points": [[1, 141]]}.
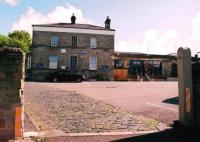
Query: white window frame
{"points": [[93, 42], [92, 63], [53, 63], [54, 40]]}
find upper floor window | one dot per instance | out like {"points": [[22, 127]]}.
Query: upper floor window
{"points": [[93, 42], [54, 40], [74, 41]]}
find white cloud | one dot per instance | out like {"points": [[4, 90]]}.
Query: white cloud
{"points": [[196, 22], [58, 14], [151, 35], [193, 40], [11, 2], [153, 42], [123, 45], [156, 42]]}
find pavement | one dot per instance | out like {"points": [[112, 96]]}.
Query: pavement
{"points": [[171, 135]]}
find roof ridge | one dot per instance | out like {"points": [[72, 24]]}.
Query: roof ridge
{"points": [[77, 25]]}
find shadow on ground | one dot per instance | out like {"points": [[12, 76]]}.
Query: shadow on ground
{"points": [[171, 101], [171, 135]]}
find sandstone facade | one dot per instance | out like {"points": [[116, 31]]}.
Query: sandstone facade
{"points": [[42, 50]]}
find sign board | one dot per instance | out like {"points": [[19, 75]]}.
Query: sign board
{"points": [[63, 50]]}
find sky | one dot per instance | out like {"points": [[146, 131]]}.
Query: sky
{"points": [[147, 26]]}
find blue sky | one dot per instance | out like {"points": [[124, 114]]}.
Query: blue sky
{"points": [[149, 26]]}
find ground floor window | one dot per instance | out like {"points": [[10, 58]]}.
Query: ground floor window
{"points": [[136, 67], [119, 64], [39, 65], [73, 62], [148, 67], [53, 60], [93, 63], [154, 68]]}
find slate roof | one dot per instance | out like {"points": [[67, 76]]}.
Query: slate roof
{"points": [[77, 26], [142, 55]]}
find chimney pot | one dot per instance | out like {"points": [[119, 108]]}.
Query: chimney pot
{"points": [[107, 23], [73, 19]]}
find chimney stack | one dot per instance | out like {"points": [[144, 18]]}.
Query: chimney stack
{"points": [[73, 19], [107, 23]]}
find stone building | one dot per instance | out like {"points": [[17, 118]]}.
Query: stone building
{"points": [[83, 48]]}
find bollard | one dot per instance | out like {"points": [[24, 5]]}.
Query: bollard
{"points": [[11, 93], [185, 87]]}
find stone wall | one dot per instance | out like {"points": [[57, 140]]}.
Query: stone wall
{"points": [[11, 93], [41, 51]]}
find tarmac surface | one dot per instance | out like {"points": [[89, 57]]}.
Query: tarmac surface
{"points": [[157, 100], [66, 111]]}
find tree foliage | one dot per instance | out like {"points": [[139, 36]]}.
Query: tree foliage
{"points": [[19, 39], [4, 40]]}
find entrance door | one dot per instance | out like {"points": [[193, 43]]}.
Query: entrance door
{"points": [[73, 62]]}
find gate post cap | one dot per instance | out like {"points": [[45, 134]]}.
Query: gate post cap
{"points": [[12, 52], [183, 49]]}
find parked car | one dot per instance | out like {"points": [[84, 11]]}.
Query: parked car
{"points": [[58, 76]]}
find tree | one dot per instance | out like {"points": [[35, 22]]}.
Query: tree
{"points": [[20, 39], [4, 41], [19, 44]]}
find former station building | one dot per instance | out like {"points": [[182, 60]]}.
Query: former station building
{"points": [[71, 46]]}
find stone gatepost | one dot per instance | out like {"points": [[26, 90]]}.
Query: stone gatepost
{"points": [[11, 93], [185, 86]]}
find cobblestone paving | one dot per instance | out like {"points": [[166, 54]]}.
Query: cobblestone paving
{"points": [[50, 108]]}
